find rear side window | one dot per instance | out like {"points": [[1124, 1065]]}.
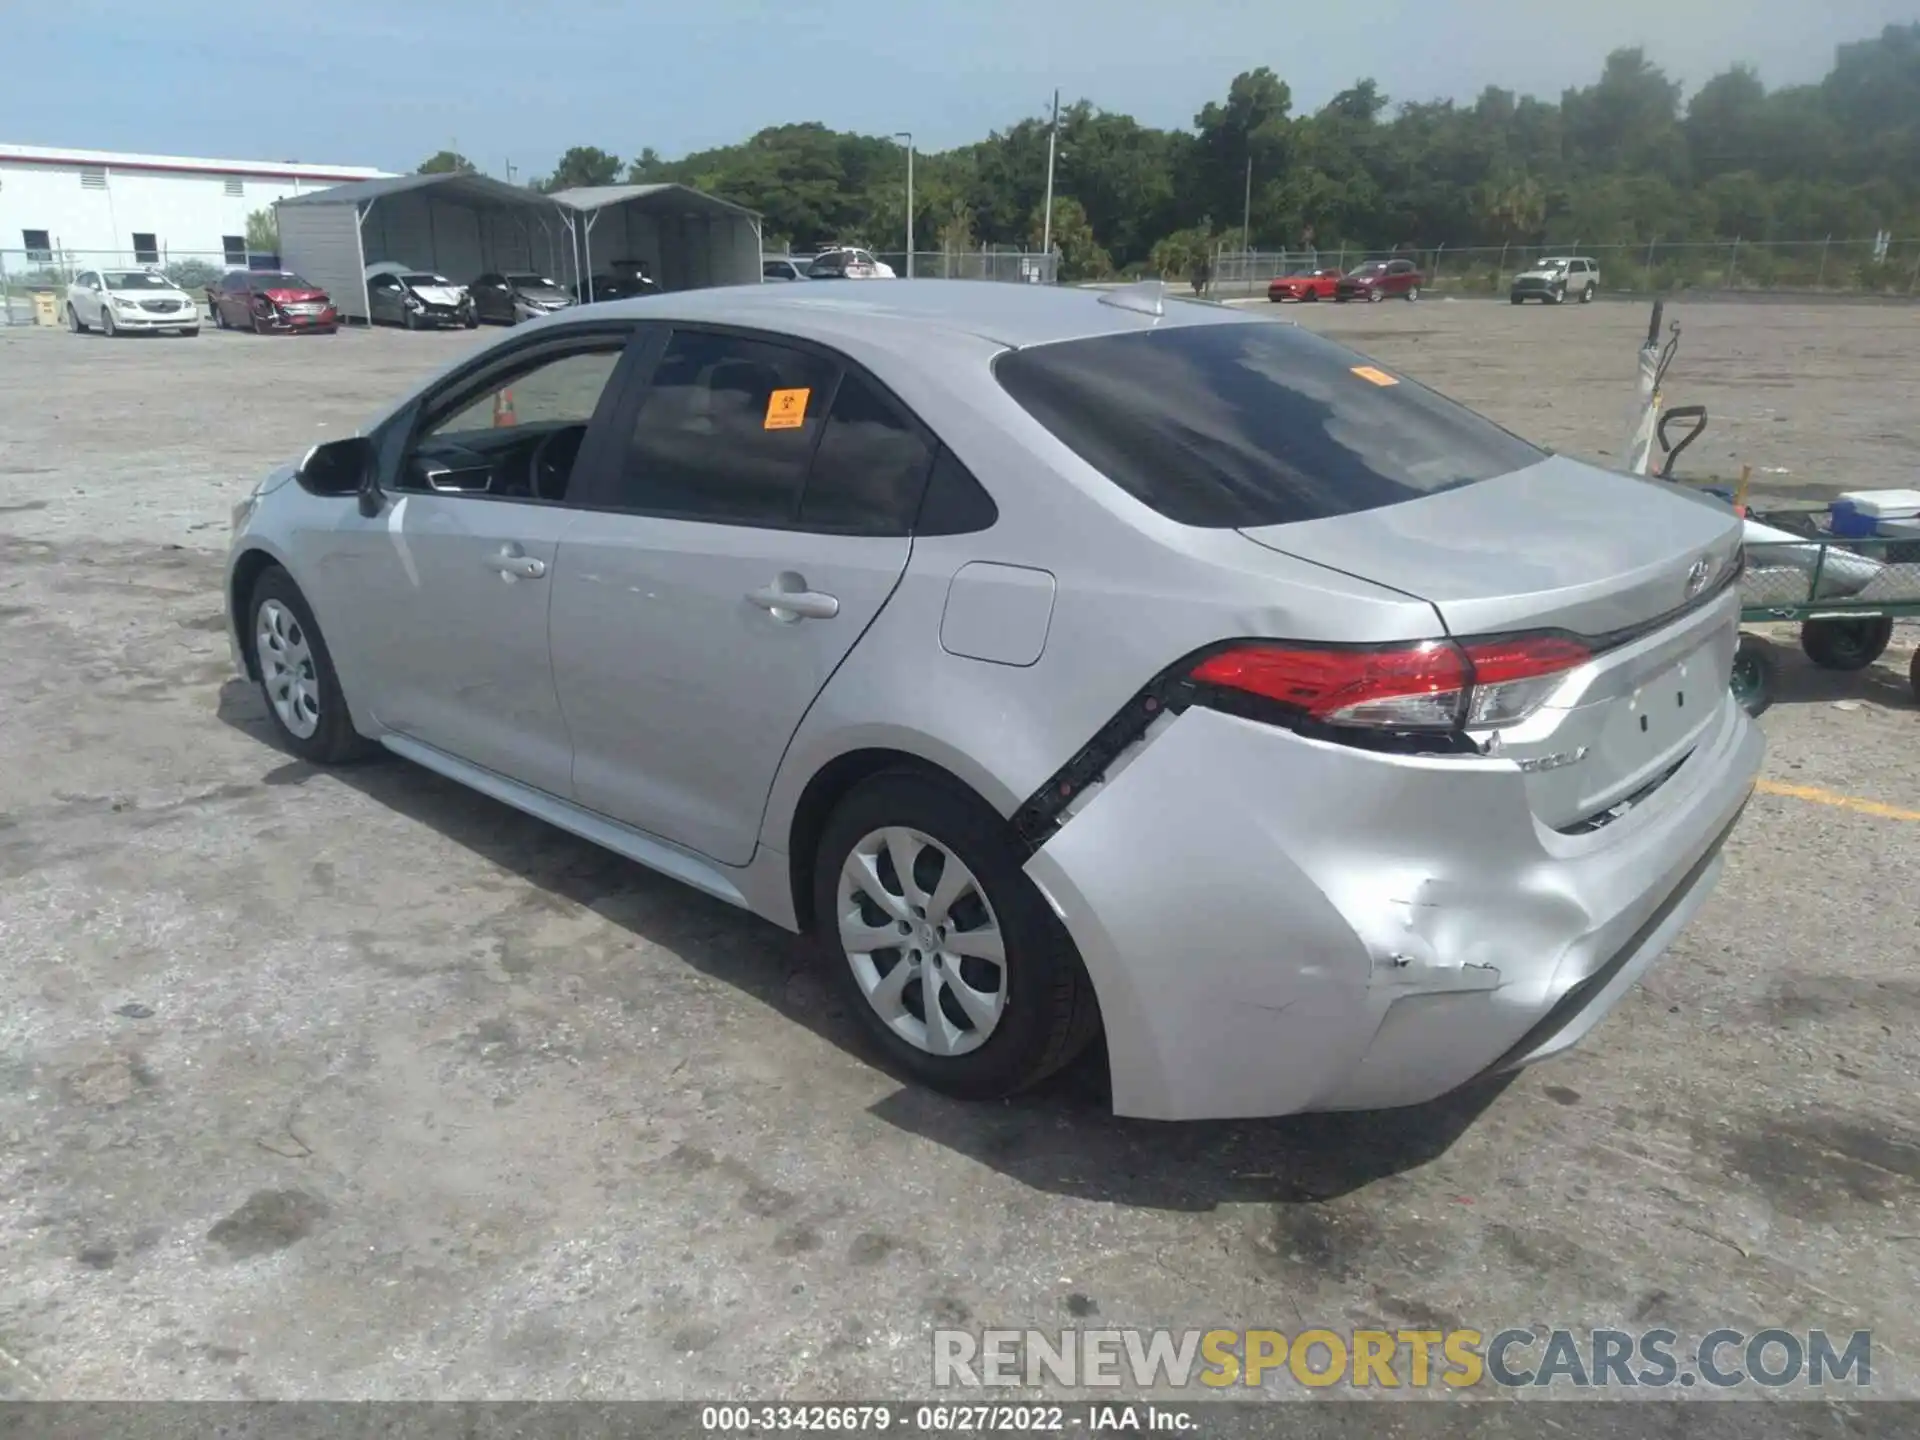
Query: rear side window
{"points": [[1245, 424], [725, 430], [870, 468]]}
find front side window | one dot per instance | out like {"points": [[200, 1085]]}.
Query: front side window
{"points": [[725, 430], [1246, 424], [516, 434]]}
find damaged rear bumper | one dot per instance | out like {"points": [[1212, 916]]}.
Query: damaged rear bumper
{"points": [[1275, 924]]}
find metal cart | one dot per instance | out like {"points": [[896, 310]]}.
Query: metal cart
{"points": [[1845, 595]]}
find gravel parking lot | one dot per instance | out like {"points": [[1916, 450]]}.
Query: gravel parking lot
{"points": [[359, 1085]]}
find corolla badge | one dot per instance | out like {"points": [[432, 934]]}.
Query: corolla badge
{"points": [[1698, 574]]}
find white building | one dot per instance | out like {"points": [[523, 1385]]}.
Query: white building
{"points": [[95, 207]]}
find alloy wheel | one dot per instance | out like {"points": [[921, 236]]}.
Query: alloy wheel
{"points": [[286, 668], [924, 943]]}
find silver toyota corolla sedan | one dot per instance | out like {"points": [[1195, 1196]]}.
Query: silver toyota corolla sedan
{"points": [[1068, 664]]}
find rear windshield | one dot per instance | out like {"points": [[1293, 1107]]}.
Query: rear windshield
{"points": [[1244, 424]]}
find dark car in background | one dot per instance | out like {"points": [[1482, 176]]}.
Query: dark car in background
{"points": [[517, 295], [1379, 279], [405, 295], [625, 284], [270, 302]]}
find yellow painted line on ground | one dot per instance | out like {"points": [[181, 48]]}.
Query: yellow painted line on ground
{"points": [[1819, 796]]}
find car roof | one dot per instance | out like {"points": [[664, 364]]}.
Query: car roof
{"points": [[1005, 314]]}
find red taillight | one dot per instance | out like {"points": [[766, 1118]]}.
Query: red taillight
{"points": [[1433, 685]]}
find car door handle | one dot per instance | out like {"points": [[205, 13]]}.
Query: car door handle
{"points": [[516, 566], [788, 599]]}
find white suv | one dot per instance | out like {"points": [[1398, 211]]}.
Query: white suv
{"points": [[1553, 278], [118, 301]]}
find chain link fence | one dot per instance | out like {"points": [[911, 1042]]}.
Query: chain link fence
{"points": [[1017, 267], [1826, 266], [33, 283]]}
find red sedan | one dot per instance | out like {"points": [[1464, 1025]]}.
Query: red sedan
{"points": [[266, 301], [1379, 279], [1304, 285]]}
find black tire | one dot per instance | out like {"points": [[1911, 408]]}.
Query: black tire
{"points": [[334, 741], [1756, 674], [1516, 299], [472, 322], [1586, 296], [1846, 644], [1375, 295], [1558, 295], [74, 322], [1413, 293], [1913, 676], [410, 320], [1312, 297], [1051, 1015], [107, 327]]}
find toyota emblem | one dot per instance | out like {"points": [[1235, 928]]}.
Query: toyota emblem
{"points": [[1697, 575]]}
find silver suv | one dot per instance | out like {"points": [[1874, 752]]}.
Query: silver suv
{"points": [[1553, 278]]}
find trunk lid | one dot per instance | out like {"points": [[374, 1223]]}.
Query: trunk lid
{"points": [[1637, 567], [1559, 545]]}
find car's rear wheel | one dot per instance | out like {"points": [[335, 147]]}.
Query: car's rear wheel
{"points": [[1586, 296], [1846, 644], [952, 961], [296, 672], [1413, 292], [1516, 299], [74, 322], [1913, 676]]}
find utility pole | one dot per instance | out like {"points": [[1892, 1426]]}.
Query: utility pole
{"points": [[907, 135], [1246, 215], [509, 172], [1053, 137]]}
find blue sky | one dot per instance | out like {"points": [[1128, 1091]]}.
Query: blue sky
{"points": [[362, 82]]}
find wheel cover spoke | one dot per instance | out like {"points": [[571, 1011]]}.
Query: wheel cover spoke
{"points": [[287, 669], [940, 988]]}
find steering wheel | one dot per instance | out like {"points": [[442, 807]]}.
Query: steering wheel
{"points": [[552, 462]]}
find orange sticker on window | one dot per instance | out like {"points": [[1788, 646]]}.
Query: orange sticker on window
{"points": [[1378, 377], [786, 410]]}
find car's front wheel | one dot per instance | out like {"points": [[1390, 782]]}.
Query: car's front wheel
{"points": [[107, 327], [1375, 295], [947, 953], [296, 672]]}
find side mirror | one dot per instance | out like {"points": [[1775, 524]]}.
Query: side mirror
{"points": [[339, 467]]}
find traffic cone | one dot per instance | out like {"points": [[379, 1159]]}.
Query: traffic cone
{"points": [[503, 413]]}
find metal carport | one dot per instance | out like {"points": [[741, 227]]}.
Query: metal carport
{"points": [[459, 225], [686, 237]]}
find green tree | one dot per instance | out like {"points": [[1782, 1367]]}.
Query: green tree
{"points": [[1081, 256], [263, 232], [582, 165], [446, 162]]}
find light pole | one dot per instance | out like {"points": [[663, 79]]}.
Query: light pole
{"points": [[1053, 136], [907, 135]]}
